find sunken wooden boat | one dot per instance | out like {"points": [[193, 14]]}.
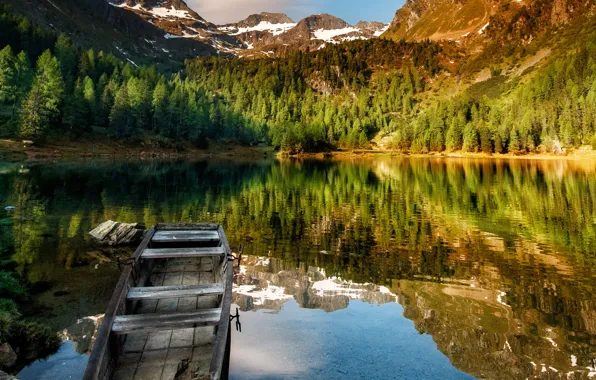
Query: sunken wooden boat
{"points": [[169, 316]]}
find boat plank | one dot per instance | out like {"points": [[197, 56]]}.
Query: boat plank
{"points": [[178, 291], [171, 253], [185, 237], [213, 234], [101, 359], [187, 227], [221, 346], [137, 323]]}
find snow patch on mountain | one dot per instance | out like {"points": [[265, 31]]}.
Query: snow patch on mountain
{"points": [[160, 12], [378, 33], [170, 13], [263, 26], [329, 35]]}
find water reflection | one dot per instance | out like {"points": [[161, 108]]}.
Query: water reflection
{"points": [[494, 260]]}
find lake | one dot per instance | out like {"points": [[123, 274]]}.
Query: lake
{"points": [[364, 268]]}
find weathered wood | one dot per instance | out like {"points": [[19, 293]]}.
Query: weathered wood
{"points": [[187, 226], [127, 324], [212, 234], [223, 328], [186, 237], [178, 291], [195, 241], [172, 253], [115, 233], [102, 358]]}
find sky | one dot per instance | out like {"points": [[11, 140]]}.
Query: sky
{"points": [[352, 11]]}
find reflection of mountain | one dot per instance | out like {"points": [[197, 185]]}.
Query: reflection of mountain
{"points": [[488, 339], [264, 284], [83, 333]]}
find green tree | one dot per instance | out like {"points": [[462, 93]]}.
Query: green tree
{"points": [[122, 118], [8, 75], [42, 105]]}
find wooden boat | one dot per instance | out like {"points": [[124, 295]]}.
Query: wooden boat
{"points": [[169, 316]]}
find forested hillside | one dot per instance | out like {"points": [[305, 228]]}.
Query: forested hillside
{"points": [[412, 96]]}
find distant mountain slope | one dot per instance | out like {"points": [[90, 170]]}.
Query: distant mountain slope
{"points": [[472, 19], [274, 33], [440, 19]]}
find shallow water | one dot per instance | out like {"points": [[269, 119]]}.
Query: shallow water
{"points": [[403, 268]]}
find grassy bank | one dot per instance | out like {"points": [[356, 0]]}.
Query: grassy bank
{"points": [[577, 154]]}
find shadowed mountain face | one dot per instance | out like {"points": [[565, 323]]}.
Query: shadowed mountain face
{"points": [[114, 28]]}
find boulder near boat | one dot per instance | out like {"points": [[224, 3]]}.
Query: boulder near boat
{"points": [[169, 316]]}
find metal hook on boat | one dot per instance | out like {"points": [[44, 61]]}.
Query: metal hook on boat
{"points": [[131, 261], [237, 318], [237, 258]]}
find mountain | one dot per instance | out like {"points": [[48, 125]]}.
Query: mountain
{"points": [[179, 21], [276, 33], [113, 28], [465, 20], [166, 32]]}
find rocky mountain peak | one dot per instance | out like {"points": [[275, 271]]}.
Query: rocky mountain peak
{"points": [[323, 21], [272, 18]]}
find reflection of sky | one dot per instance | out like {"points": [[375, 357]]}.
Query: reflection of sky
{"points": [[363, 341], [65, 364]]}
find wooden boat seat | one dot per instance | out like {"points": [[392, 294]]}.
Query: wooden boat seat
{"points": [[176, 237], [182, 253], [177, 291], [139, 323]]}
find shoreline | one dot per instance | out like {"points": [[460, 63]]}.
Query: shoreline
{"points": [[581, 154], [19, 151]]}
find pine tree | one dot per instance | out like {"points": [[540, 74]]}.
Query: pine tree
{"points": [[88, 89], [66, 54], [8, 76], [75, 114], [122, 116], [42, 105], [159, 105], [470, 138]]}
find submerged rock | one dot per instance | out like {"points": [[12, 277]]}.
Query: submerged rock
{"points": [[7, 356], [115, 233], [5, 376]]}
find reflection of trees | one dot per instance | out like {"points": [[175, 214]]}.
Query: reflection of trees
{"points": [[382, 222], [28, 220], [355, 213]]}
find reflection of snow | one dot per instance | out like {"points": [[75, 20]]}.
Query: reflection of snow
{"points": [[263, 262], [500, 298], [337, 287], [259, 296]]}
